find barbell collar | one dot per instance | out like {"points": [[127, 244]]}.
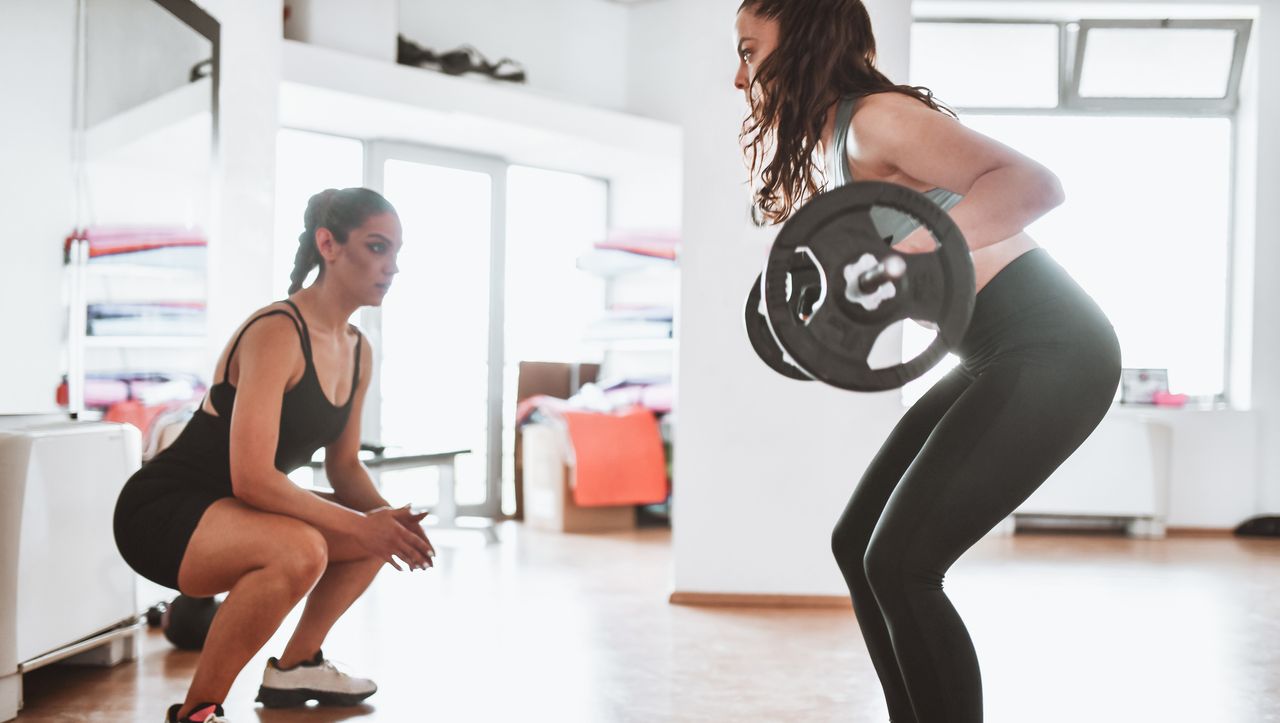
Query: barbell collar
{"points": [[890, 269]]}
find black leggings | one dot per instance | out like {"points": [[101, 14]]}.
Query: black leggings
{"points": [[1040, 364]]}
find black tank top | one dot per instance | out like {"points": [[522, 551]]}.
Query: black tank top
{"points": [[308, 421]]}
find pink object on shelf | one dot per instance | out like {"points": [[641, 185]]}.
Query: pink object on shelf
{"points": [[1166, 399], [659, 244]]}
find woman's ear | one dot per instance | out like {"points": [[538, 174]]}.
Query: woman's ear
{"points": [[326, 244]]}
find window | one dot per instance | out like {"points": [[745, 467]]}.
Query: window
{"points": [[1192, 66], [986, 77], [1144, 149]]}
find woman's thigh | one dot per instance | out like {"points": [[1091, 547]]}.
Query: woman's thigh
{"points": [[896, 454], [342, 547], [996, 445], [233, 539]]}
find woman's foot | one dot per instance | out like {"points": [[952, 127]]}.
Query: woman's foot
{"points": [[202, 713], [316, 679]]}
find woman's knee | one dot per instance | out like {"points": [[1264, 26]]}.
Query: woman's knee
{"points": [[882, 565], [302, 556], [895, 572], [848, 544]]}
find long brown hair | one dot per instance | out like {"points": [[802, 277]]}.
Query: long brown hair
{"points": [[825, 52]]}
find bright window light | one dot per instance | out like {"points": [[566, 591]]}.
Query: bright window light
{"points": [[552, 219], [968, 64], [1157, 62], [435, 320]]}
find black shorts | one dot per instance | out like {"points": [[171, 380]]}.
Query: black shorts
{"points": [[155, 515]]}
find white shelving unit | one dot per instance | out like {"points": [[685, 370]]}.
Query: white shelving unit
{"points": [[636, 345], [123, 352], [144, 342], [146, 167]]}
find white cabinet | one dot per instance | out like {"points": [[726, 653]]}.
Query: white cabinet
{"points": [[1150, 467], [1121, 471], [64, 589]]}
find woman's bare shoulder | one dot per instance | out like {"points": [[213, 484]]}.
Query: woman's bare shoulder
{"points": [[879, 114], [273, 327], [366, 354]]}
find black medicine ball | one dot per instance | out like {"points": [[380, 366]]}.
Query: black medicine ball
{"points": [[186, 621]]}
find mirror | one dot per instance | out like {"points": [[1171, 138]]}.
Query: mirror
{"points": [[110, 191]]}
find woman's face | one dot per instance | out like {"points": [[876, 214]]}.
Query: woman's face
{"points": [[757, 37], [365, 265]]}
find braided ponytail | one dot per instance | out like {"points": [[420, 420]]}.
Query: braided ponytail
{"points": [[308, 256], [339, 211]]}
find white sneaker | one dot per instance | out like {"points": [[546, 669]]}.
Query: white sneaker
{"points": [[316, 679], [203, 713]]}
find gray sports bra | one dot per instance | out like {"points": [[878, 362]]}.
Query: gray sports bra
{"points": [[889, 223]]}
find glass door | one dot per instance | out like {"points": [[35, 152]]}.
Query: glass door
{"points": [[438, 336]]}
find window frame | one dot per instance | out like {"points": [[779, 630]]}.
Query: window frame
{"points": [[1226, 105], [1072, 45]]}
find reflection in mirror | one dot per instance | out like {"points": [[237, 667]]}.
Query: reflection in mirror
{"points": [[144, 140]]}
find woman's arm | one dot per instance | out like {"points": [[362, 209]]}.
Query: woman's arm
{"points": [[1004, 191], [267, 356], [351, 483]]}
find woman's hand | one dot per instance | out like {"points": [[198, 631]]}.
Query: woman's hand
{"points": [[920, 241], [391, 531], [412, 521]]}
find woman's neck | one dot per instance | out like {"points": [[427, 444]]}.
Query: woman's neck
{"points": [[326, 313]]}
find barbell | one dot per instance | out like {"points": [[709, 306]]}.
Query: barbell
{"points": [[832, 283]]}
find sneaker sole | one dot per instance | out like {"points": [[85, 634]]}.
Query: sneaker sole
{"points": [[295, 697]]}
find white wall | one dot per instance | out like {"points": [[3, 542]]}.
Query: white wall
{"points": [[240, 239], [1266, 260], [764, 466], [36, 195], [575, 49]]}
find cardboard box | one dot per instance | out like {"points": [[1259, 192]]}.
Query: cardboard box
{"points": [[548, 498], [553, 379]]}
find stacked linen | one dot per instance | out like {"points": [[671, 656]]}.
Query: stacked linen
{"points": [[137, 398], [144, 281], [166, 318]]}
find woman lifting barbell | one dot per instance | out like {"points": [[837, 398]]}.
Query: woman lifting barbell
{"points": [[215, 511], [1039, 361]]}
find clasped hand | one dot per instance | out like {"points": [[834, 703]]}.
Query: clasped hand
{"points": [[396, 532]]}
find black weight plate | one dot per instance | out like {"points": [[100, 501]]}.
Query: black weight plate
{"points": [[836, 228], [762, 340]]}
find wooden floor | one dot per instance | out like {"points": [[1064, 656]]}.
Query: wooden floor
{"points": [[577, 628]]}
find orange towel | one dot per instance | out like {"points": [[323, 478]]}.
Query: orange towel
{"points": [[619, 458]]}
